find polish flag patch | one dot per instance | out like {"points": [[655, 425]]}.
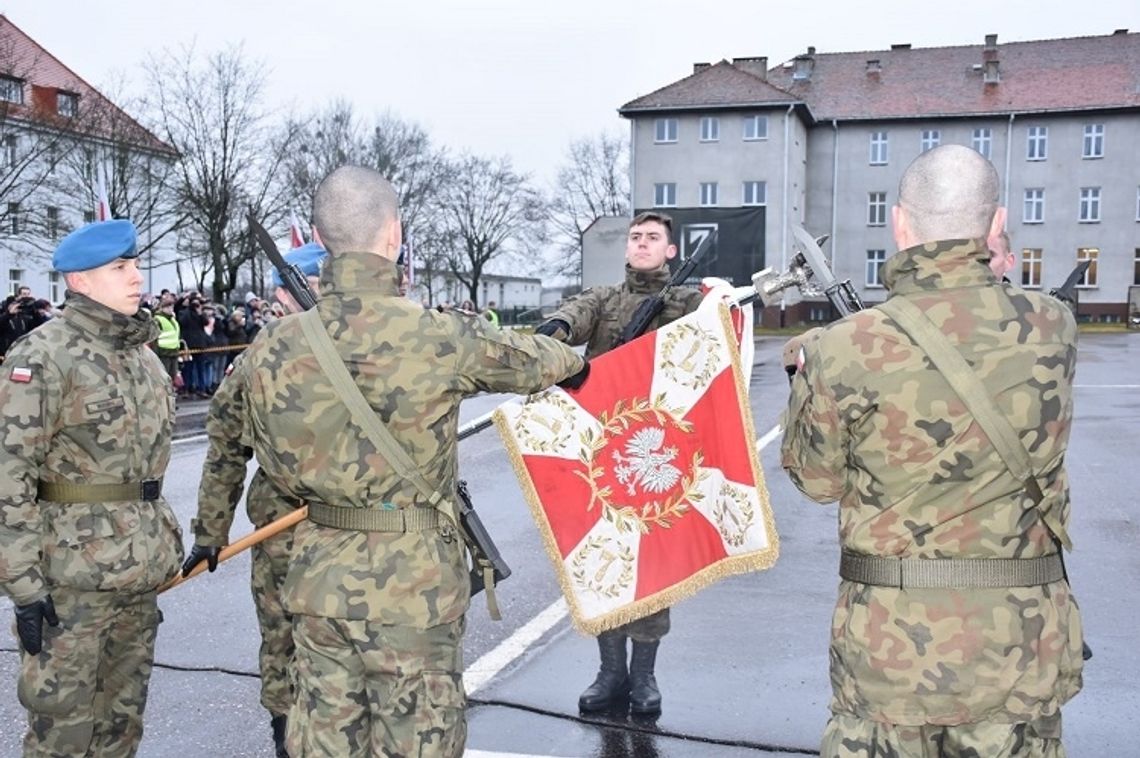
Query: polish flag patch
{"points": [[21, 375]]}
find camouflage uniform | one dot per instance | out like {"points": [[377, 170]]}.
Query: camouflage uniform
{"points": [[378, 616], [98, 410], [223, 477], [873, 425], [596, 318]]}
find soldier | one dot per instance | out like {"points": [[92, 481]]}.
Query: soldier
{"points": [[378, 582], [85, 535], [955, 631], [1002, 259], [596, 318], [223, 476]]}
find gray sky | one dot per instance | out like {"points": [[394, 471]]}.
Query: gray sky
{"points": [[517, 77]]}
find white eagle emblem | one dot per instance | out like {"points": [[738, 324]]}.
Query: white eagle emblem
{"points": [[645, 463]]}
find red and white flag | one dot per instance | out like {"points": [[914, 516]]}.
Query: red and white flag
{"points": [[102, 204], [645, 483], [296, 236]]}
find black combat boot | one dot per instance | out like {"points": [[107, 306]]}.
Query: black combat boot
{"points": [[644, 697], [612, 682], [278, 724]]}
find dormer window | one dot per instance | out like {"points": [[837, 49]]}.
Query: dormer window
{"points": [[67, 104], [11, 90]]}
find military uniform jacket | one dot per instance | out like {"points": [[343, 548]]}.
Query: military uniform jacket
{"points": [[414, 366], [871, 423], [597, 316], [96, 408]]}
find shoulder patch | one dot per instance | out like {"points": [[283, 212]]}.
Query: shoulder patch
{"points": [[21, 374]]}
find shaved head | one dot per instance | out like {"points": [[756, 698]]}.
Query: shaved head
{"points": [[950, 192], [355, 209]]}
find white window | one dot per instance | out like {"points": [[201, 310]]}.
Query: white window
{"points": [[878, 148], [67, 104], [15, 280], [754, 193], [11, 90], [54, 282], [1037, 143], [1031, 267], [1089, 254], [1034, 212], [1090, 205], [665, 194], [755, 128], [983, 142], [876, 209], [930, 139], [52, 223], [875, 261], [708, 193], [710, 129], [665, 130], [13, 220], [1094, 141], [10, 154]]}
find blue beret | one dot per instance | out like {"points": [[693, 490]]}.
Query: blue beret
{"points": [[307, 257], [95, 244]]}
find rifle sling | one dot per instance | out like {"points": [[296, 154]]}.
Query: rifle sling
{"points": [[962, 379]]}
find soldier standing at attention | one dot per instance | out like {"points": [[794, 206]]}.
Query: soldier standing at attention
{"points": [[378, 583], [955, 632], [595, 318], [223, 476], [85, 536]]}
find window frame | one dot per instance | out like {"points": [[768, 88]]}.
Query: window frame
{"points": [[62, 97], [1088, 204], [930, 139], [879, 142], [1032, 262], [755, 120], [1089, 279], [710, 129], [1039, 202], [1036, 136], [709, 194], [763, 192], [880, 259], [876, 209], [1092, 140], [661, 191], [661, 126], [9, 85], [983, 135]]}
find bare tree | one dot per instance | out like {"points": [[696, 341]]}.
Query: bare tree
{"points": [[491, 213], [592, 183]]}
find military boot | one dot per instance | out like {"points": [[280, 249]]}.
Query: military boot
{"points": [[612, 682], [278, 724], [644, 697]]}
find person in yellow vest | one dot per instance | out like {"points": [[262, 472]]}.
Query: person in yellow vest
{"points": [[169, 336], [491, 314]]}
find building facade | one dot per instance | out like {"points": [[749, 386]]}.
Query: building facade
{"points": [[822, 141]]}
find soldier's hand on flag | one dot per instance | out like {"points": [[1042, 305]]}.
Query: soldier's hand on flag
{"points": [[200, 553], [574, 381], [30, 620]]}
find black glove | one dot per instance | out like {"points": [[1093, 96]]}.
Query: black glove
{"points": [[574, 381], [200, 553], [552, 327], [30, 620]]}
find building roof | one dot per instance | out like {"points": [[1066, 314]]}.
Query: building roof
{"points": [[721, 85], [44, 77]]}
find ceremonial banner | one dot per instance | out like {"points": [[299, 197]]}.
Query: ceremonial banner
{"points": [[645, 483]]}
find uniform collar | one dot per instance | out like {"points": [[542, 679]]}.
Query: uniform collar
{"points": [[646, 282], [354, 273], [106, 324], [939, 265]]}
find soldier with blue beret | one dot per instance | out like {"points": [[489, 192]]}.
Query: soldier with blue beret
{"points": [[88, 413]]}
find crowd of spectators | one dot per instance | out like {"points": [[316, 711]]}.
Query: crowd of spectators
{"points": [[20, 314]]}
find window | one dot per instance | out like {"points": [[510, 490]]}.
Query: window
{"points": [[930, 139], [12, 90], [876, 209], [13, 218], [708, 193], [1031, 267], [1089, 212], [875, 261], [10, 155], [983, 142], [67, 104], [1094, 141], [665, 194], [1037, 143], [1034, 212], [15, 280], [1088, 254], [1136, 267], [89, 164], [710, 129], [53, 224], [755, 128], [754, 193], [878, 148], [88, 217], [54, 280], [665, 130]]}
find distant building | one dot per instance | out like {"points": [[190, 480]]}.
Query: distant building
{"points": [[822, 140], [57, 135], [515, 297]]}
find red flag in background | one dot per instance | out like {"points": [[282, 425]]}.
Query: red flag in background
{"points": [[645, 483], [296, 236]]}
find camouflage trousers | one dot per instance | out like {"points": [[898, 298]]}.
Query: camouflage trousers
{"points": [[86, 690], [848, 736], [269, 565], [649, 629], [366, 689]]}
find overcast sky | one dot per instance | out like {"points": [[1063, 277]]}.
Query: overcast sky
{"points": [[517, 77]]}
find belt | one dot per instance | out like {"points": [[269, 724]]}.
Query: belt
{"points": [[950, 573], [374, 519], [67, 492]]}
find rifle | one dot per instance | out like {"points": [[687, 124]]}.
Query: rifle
{"points": [[810, 273], [650, 308], [1067, 292], [484, 553]]}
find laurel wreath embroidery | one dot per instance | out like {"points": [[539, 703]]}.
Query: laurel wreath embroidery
{"points": [[733, 533], [608, 552], [684, 370], [661, 513], [541, 431]]}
